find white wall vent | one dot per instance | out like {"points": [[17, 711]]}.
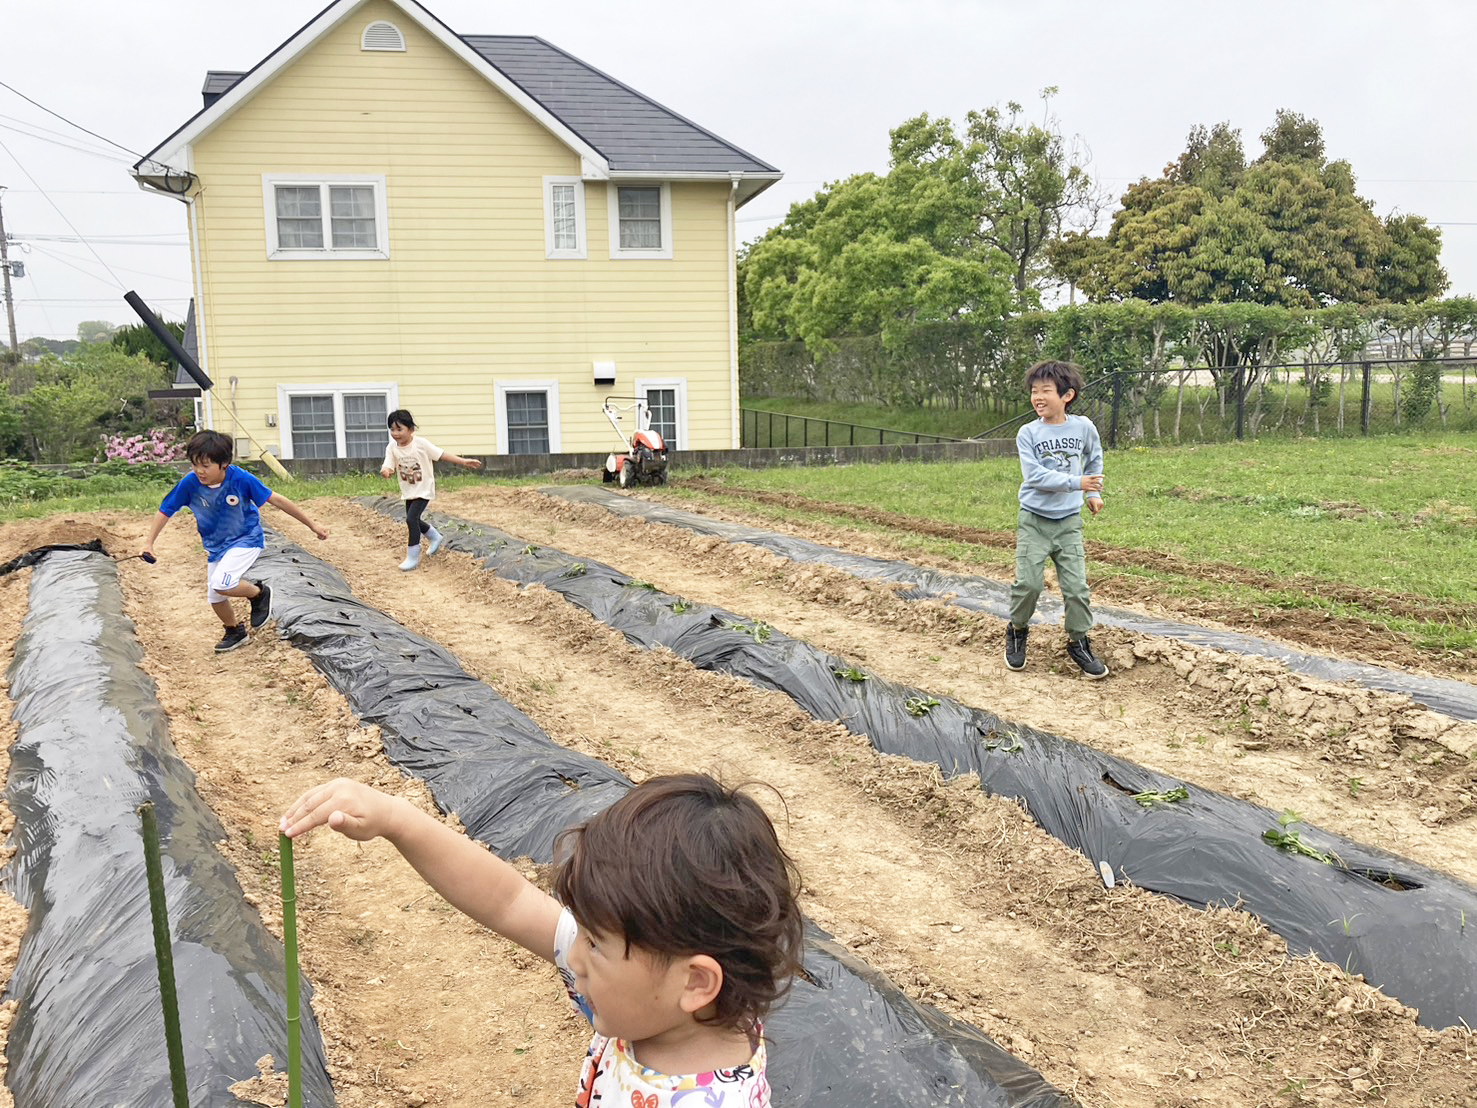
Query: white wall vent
{"points": [[382, 36]]}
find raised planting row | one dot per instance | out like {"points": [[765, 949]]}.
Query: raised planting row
{"points": [[980, 594], [1410, 930], [93, 745], [844, 1035]]}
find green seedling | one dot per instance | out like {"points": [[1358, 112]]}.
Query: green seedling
{"points": [[1150, 797], [635, 584], [1284, 837], [851, 673], [1011, 746], [576, 569], [679, 606], [530, 549], [758, 629], [919, 705], [1355, 784]]}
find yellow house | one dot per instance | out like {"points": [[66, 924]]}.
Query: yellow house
{"points": [[482, 229]]}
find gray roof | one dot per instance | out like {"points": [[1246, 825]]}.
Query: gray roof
{"points": [[631, 131], [191, 344], [218, 82]]}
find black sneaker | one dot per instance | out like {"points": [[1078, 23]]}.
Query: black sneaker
{"points": [[234, 637], [1080, 651], [1015, 647], [261, 605]]}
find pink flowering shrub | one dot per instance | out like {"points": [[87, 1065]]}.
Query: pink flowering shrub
{"points": [[161, 445]]}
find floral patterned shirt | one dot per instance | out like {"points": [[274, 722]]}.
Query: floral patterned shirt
{"points": [[612, 1078]]}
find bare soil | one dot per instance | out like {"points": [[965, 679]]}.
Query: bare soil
{"points": [[1119, 997]]}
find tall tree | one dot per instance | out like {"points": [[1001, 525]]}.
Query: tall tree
{"points": [[1288, 229]]}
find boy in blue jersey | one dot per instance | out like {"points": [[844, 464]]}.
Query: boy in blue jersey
{"points": [[224, 500], [1061, 465]]}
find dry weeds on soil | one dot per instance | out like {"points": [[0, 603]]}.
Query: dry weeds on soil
{"points": [[1120, 997]]}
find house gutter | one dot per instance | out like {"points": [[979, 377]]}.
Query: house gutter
{"points": [[733, 408], [204, 357]]}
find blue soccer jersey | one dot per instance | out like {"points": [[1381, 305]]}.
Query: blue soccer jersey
{"points": [[227, 515]]}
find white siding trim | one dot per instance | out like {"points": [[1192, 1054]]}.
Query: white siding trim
{"points": [[500, 395], [612, 197], [580, 249], [285, 393], [275, 253], [680, 385]]}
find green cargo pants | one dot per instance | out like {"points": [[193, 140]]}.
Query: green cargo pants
{"points": [[1037, 539]]}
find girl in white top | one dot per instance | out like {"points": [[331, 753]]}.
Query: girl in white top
{"points": [[414, 460]]}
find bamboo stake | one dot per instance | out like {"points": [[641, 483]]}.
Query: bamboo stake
{"points": [[164, 957], [289, 941]]}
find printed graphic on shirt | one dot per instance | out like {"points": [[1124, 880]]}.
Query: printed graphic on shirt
{"points": [[409, 470], [1059, 452]]}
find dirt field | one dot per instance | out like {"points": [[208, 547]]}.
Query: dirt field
{"points": [[1119, 997]]}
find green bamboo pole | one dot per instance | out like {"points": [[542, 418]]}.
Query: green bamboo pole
{"points": [[164, 957], [289, 940]]}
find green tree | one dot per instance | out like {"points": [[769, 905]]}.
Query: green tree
{"points": [[95, 330], [94, 391], [957, 229], [138, 339], [1288, 229]]}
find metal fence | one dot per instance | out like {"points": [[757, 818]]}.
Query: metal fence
{"points": [[1286, 400], [770, 429]]}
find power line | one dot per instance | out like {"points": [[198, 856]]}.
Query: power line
{"points": [[69, 123], [59, 212], [105, 156]]}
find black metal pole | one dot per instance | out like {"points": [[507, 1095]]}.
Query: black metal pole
{"points": [[1366, 401]]}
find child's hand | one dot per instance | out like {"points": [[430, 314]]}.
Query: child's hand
{"points": [[1092, 482], [472, 463], [1095, 504], [348, 807], [386, 471], [320, 531]]}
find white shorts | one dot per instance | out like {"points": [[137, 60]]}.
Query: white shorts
{"points": [[227, 570]]}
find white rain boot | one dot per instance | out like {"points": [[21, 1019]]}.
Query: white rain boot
{"points": [[412, 557], [437, 538]]}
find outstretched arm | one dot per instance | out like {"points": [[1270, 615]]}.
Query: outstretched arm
{"points": [[280, 502], [457, 460], [476, 881]]}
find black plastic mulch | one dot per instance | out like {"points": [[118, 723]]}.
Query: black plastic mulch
{"points": [[1410, 930], [93, 745], [844, 1036], [1452, 698]]}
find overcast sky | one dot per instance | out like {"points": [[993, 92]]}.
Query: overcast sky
{"points": [[810, 86]]}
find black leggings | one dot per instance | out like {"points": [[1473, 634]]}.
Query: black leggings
{"points": [[413, 521]]}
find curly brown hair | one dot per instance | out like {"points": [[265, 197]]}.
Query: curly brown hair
{"points": [[1064, 375], [684, 865]]}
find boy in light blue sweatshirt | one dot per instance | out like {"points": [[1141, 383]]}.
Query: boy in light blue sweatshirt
{"points": [[1061, 465]]}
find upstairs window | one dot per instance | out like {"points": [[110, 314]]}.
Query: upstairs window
{"points": [[640, 221], [338, 218], [564, 217]]}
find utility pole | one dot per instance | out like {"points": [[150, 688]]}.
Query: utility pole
{"points": [[5, 269]]}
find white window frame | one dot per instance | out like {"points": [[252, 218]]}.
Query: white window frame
{"points": [[580, 249], [612, 194], [381, 249], [549, 388], [285, 393], [680, 385]]}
